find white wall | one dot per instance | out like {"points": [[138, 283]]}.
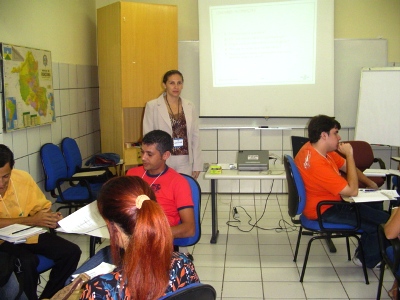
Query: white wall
{"points": [[68, 30]]}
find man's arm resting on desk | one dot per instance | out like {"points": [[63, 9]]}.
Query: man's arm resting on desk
{"points": [[187, 226], [368, 182], [43, 218]]}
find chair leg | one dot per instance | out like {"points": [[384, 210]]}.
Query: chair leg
{"points": [[297, 245], [348, 248], [361, 250], [380, 283], [303, 271]]}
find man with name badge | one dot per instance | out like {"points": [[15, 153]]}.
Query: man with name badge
{"points": [[22, 202]]}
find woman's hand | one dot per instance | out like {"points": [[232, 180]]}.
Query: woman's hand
{"points": [[195, 174]]}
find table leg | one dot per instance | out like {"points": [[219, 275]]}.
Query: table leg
{"points": [[214, 212]]}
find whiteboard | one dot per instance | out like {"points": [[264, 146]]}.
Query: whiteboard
{"points": [[351, 55], [378, 119]]}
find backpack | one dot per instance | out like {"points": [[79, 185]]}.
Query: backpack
{"points": [[9, 264], [104, 160]]}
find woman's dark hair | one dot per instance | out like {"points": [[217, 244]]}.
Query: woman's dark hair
{"points": [[6, 156], [320, 124], [169, 73], [162, 139], [147, 258]]}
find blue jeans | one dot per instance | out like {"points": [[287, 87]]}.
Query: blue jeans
{"points": [[103, 255], [11, 288], [370, 217]]}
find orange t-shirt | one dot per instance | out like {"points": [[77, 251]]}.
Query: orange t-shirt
{"points": [[321, 176]]}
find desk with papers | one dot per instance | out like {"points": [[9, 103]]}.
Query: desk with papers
{"points": [[229, 171], [388, 173], [365, 195]]}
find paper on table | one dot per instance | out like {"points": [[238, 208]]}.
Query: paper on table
{"points": [[102, 268], [86, 220], [378, 195], [18, 233], [376, 172]]}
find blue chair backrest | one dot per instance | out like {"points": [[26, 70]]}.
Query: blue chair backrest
{"points": [[196, 197], [298, 182], [54, 165], [72, 155]]}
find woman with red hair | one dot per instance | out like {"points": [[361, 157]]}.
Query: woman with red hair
{"points": [[141, 245]]}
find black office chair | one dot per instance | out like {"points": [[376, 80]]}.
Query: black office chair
{"points": [[322, 230], [297, 143]]}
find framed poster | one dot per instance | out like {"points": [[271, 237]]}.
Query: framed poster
{"points": [[27, 84]]}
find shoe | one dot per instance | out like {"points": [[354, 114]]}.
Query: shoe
{"points": [[378, 266], [358, 262]]}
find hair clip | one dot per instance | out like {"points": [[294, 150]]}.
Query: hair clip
{"points": [[140, 199]]}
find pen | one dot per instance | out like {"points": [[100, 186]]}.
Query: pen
{"points": [[22, 230], [368, 190]]}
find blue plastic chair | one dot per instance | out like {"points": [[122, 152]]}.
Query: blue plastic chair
{"points": [[196, 196], [194, 291], [73, 159], [323, 230], [55, 170], [72, 155]]}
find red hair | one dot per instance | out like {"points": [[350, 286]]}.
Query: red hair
{"points": [[147, 259]]}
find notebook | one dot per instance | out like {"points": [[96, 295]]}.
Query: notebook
{"points": [[253, 160]]}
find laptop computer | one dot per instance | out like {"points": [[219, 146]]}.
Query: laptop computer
{"points": [[253, 160]]}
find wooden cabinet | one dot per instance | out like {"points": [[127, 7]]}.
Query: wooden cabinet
{"points": [[137, 44]]}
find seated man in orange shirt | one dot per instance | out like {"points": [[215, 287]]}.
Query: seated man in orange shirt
{"points": [[320, 165]]}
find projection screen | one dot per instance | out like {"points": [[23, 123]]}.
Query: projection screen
{"points": [[266, 58]]}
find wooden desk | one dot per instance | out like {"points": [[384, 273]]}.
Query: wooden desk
{"points": [[275, 172]]}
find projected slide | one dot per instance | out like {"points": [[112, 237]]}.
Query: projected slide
{"points": [[258, 40], [266, 58]]}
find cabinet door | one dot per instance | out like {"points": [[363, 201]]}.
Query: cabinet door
{"points": [[149, 48]]}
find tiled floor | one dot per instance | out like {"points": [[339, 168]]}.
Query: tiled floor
{"points": [[255, 263]]}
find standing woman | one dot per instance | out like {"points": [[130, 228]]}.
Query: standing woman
{"points": [[147, 267], [178, 117]]}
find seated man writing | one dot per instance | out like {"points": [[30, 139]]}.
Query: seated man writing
{"points": [[22, 202], [320, 165], [171, 189]]}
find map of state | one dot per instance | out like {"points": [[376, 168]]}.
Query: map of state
{"points": [[28, 84]]}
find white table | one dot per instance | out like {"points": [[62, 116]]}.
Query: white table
{"points": [[275, 172], [388, 173]]}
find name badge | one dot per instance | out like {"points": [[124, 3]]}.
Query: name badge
{"points": [[178, 142]]}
